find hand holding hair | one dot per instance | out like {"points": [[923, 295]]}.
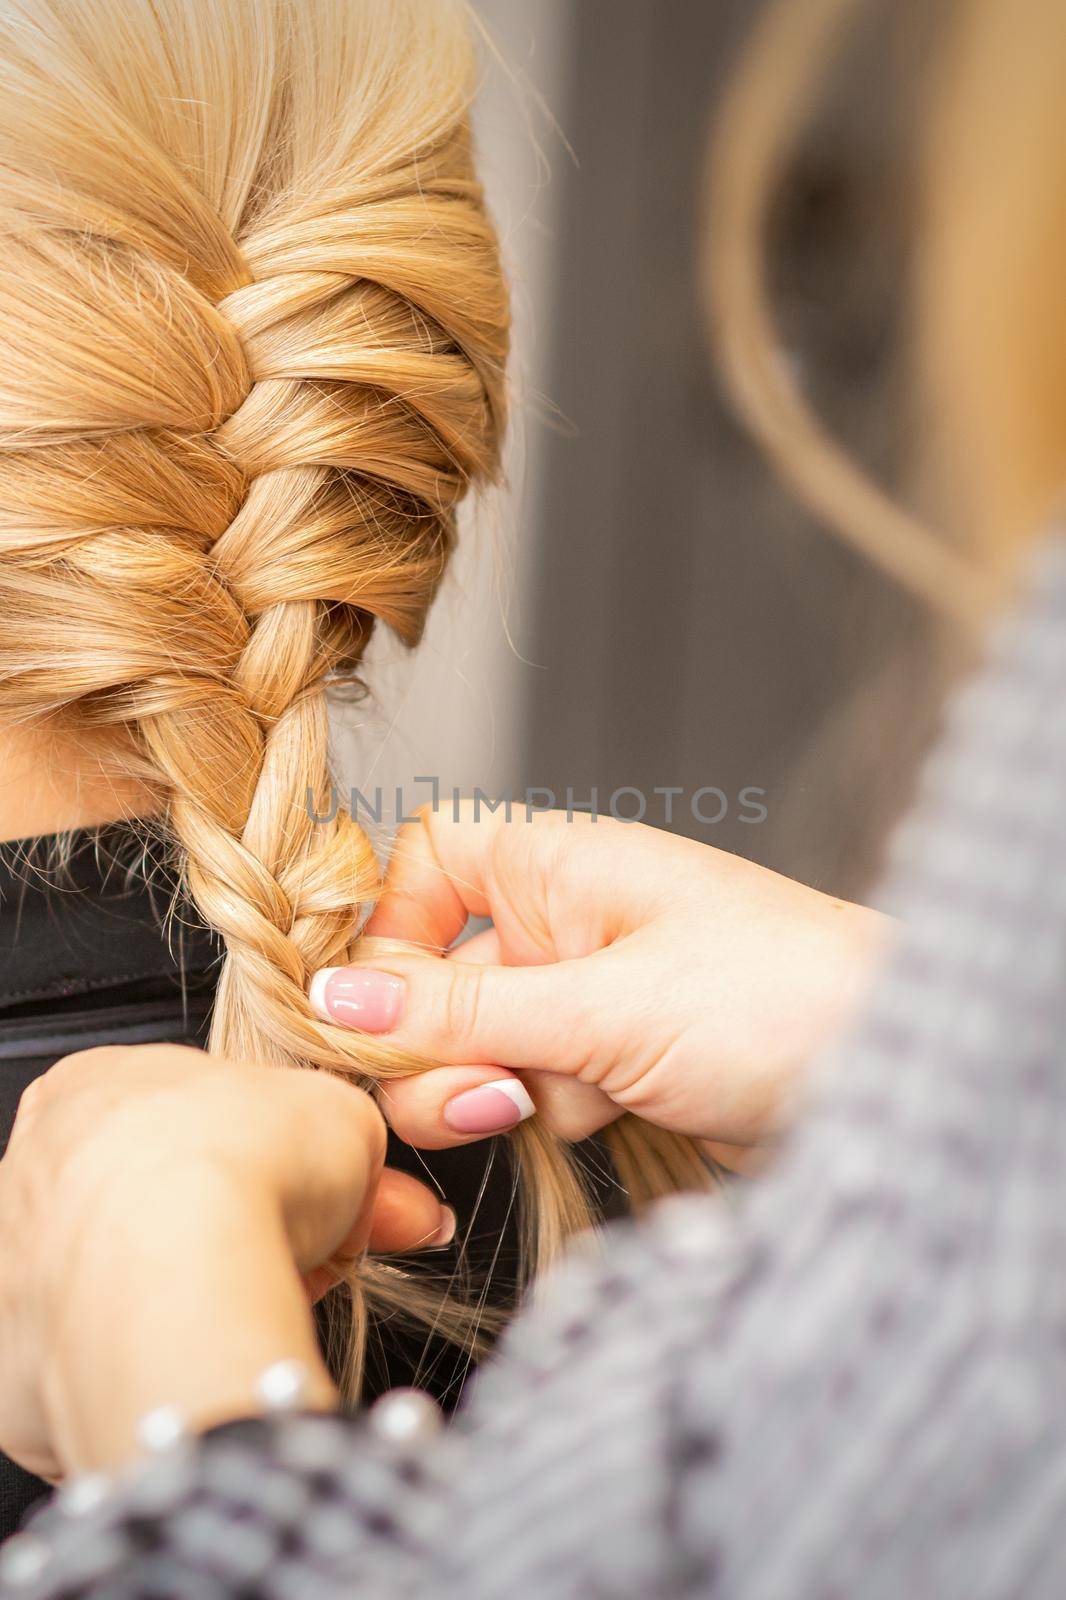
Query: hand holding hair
{"points": [[176, 1214], [626, 969]]}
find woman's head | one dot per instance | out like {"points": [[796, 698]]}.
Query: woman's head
{"points": [[254, 331]]}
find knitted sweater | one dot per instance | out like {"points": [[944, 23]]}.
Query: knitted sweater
{"points": [[847, 1387]]}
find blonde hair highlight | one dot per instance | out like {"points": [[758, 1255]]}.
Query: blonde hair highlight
{"points": [[254, 331], [770, 94]]}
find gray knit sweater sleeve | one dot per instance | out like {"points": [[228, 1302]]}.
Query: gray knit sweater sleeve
{"points": [[847, 1387]]}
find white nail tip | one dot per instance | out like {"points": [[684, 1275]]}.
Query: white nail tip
{"points": [[316, 994], [516, 1093]]}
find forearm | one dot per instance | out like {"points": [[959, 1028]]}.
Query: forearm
{"points": [[175, 1304]]}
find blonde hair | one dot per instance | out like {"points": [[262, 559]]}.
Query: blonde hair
{"points": [[990, 302], [254, 334], [988, 308]]}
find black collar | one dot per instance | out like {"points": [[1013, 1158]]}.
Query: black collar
{"points": [[92, 912]]}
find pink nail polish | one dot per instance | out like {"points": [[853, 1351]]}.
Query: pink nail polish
{"points": [[490, 1108], [358, 997]]}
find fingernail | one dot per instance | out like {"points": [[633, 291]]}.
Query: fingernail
{"points": [[491, 1108], [446, 1232], [359, 997]]}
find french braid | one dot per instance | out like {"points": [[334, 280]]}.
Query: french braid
{"points": [[254, 339]]}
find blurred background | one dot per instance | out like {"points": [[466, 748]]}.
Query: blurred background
{"points": [[644, 607]]}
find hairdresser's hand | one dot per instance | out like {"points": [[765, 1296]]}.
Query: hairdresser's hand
{"points": [[167, 1218], [626, 970]]}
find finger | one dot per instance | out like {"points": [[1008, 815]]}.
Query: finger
{"points": [[443, 869], [407, 1216], [416, 1107], [560, 1017], [468, 860], [451, 1106], [747, 1160], [327, 1167], [480, 950], [426, 900], [570, 1108], [319, 1281]]}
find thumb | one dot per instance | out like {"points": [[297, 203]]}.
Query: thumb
{"points": [[553, 1018]]}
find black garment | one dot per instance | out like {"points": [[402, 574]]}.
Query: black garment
{"points": [[93, 950]]}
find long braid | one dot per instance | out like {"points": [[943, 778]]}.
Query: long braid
{"points": [[254, 347]]}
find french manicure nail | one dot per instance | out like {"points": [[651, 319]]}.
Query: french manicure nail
{"points": [[446, 1232], [490, 1108], [358, 997]]}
